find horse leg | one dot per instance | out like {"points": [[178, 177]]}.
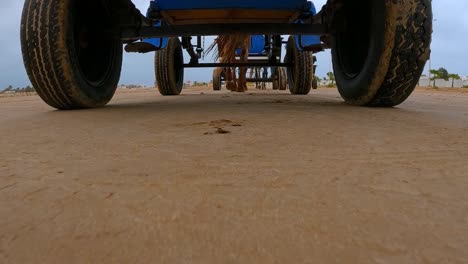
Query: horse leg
{"points": [[242, 79], [229, 82], [244, 58], [235, 80]]}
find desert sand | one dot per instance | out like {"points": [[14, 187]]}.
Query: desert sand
{"points": [[216, 177]]}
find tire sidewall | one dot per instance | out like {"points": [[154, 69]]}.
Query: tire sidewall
{"points": [[291, 55], [175, 57], [362, 88], [276, 79], [300, 75], [92, 95], [169, 68], [283, 79]]}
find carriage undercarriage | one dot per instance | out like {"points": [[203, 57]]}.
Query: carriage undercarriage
{"points": [[72, 49]]}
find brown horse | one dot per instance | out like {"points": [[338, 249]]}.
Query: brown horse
{"points": [[227, 46]]}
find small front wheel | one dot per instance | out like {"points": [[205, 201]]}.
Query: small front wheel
{"points": [[169, 68], [301, 73], [283, 84], [280, 79], [315, 84]]}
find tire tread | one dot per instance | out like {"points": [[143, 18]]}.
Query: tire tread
{"points": [[165, 70], [412, 49], [46, 58]]}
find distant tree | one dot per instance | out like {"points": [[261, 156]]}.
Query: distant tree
{"points": [[444, 74], [331, 77], [454, 77], [8, 89], [197, 83], [441, 73]]}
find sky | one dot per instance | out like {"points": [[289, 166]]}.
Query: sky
{"points": [[449, 46]]}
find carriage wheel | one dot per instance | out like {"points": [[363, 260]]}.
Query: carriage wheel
{"points": [[72, 55], [283, 79], [380, 55], [300, 75], [280, 79], [315, 84], [276, 79], [169, 68]]}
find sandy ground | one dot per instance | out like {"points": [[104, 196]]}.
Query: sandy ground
{"points": [[223, 178]]}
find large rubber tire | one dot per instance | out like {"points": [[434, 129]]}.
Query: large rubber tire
{"points": [[169, 68], [217, 79], [301, 74], [71, 53], [379, 56]]}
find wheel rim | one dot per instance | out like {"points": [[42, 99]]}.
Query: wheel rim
{"points": [[352, 44], [94, 41]]}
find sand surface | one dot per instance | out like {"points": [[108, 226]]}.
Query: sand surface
{"points": [[261, 177]]}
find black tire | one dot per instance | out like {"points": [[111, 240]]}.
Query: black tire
{"points": [[300, 75], [380, 55], [283, 84], [169, 68], [276, 79], [217, 79], [71, 53], [280, 79], [315, 80], [315, 84]]}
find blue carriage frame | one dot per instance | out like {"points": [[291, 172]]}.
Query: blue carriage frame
{"points": [[178, 18], [379, 47]]}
